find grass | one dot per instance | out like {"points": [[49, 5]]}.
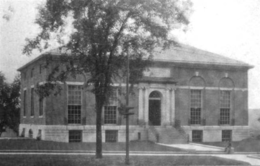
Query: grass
{"points": [[44, 160], [246, 145], [29, 144]]}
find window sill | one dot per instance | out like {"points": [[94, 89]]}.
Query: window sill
{"points": [[73, 124], [41, 116], [32, 116], [110, 124]]}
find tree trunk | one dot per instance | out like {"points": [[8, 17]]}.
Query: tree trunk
{"points": [[98, 126]]}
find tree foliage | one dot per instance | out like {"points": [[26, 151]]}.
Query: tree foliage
{"points": [[99, 34], [9, 104]]}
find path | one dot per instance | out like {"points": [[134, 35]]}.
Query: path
{"points": [[207, 148]]}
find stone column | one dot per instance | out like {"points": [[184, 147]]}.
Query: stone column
{"points": [[167, 108], [141, 105], [146, 105], [172, 106]]}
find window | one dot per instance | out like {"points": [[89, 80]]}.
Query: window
{"points": [[197, 135], [111, 135], [40, 106], [195, 114], [226, 135], [24, 102], [32, 101], [110, 114], [74, 104], [32, 72], [110, 109], [224, 107], [75, 135]]}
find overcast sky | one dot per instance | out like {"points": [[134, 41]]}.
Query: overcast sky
{"points": [[227, 27]]}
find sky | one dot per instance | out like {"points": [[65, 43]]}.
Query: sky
{"points": [[227, 27]]}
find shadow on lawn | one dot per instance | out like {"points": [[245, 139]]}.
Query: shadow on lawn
{"points": [[45, 160], [31, 144]]}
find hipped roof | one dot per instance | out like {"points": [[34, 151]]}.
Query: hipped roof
{"points": [[175, 54]]}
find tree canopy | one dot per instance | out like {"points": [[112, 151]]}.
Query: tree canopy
{"points": [[9, 103], [99, 35]]}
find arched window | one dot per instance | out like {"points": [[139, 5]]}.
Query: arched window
{"points": [[196, 100], [226, 83], [155, 95], [197, 81]]}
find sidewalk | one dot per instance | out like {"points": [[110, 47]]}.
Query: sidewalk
{"points": [[213, 150], [195, 147]]}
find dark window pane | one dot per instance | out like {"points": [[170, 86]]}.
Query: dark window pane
{"points": [[24, 102], [75, 136], [111, 135], [226, 135], [32, 101], [74, 104], [197, 135], [224, 107], [110, 114], [195, 112]]}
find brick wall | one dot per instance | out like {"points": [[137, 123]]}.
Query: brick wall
{"points": [[213, 79], [27, 82]]}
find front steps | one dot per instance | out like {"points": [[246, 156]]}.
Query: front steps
{"points": [[166, 135]]}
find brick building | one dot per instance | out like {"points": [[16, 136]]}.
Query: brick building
{"points": [[187, 95]]}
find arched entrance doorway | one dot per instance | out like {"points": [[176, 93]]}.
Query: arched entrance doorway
{"points": [[155, 108]]}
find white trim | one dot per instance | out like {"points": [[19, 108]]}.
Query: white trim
{"points": [[240, 89], [215, 127], [24, 89], [44, 82], [74, 83], [32, 86], [211, 88], [226, 89], [122, 84], [195, 87]]}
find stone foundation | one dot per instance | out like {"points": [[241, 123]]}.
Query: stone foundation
{"points": [[60, 133], [214, 133]]}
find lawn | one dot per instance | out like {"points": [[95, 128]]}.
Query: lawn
{"points": [[29, 144], [246, 145], [46, 160]]}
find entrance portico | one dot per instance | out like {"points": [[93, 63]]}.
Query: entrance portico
{"points": [[157, 103]]}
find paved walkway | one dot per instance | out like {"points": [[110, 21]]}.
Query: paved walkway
{"points": [[207, 148], [195, 147]]}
